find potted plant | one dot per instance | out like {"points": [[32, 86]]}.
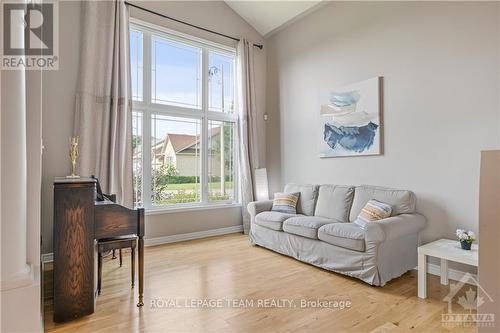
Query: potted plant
{"points": [[466, 238]]}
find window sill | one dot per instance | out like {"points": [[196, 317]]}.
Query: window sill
{"points": [[157, 211]]}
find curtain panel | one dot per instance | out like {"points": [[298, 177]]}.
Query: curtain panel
{"points": [[248, 154], [103, 113]]}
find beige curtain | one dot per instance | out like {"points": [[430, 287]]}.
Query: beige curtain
{"points": [[103, 115], [249, 156]]}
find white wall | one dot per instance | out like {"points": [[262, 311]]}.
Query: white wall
{"points": [[489, 228], [58, 102], [20, 292], [440, 67], [59, 94]]}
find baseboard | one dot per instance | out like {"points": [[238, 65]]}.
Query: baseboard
{"points": [[453, 274], [192, 235], [49, 257]]}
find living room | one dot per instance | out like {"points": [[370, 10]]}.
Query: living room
{"points": [[310, 166]]}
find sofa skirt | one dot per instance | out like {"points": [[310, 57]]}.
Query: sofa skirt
{"points": [[379, 263]]}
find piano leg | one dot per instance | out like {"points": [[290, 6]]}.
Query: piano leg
{"points": [[133, 263], [141, 271], [99, 272]]}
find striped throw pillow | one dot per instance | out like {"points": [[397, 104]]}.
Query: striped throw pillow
{"points": [[373, 211], [285, 202]]}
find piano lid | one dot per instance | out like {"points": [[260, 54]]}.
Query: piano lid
{"points": [[64, 180]]}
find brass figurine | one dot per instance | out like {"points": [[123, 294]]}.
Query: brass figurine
{"points": [[73, 155]]}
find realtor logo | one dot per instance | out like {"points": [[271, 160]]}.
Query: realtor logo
{"points": [[470, 302], [30, 35]]}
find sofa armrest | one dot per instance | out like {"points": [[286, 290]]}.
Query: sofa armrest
{"points": [[394, 227], [256, 207]]}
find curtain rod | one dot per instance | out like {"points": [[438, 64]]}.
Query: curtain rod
{"points": [[260, 46]]}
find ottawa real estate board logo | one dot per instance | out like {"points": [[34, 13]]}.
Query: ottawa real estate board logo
{"points": [[471, 302], [30, 36]]}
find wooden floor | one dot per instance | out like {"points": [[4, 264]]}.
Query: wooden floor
{"points": [[227, 268]]}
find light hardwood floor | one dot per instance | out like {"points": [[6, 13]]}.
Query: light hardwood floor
{"points": [[228, 267]]}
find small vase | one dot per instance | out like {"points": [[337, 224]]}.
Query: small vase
{"points": [[465, 245]]}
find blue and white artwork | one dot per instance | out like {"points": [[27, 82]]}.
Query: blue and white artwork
{"points": [[350, 120]]}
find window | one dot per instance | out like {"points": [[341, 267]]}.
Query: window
{"points": [[136, 64], [220, 160], [220, 82], [184, 120], [175, 73], [176, 160]]}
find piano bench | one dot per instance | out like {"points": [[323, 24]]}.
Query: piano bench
{"points": [[111, 244]]}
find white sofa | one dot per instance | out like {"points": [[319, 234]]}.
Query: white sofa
{"points": [[322, 232]]}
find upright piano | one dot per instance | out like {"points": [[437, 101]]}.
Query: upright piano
{"points": [[79, 221]]}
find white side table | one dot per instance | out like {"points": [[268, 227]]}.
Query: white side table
{"points": [[444, 249]]}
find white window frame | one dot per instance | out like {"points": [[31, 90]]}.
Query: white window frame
{"points": [[148, 108]]}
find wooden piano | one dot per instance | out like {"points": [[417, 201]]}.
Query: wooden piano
{"points": [[79, 221]]}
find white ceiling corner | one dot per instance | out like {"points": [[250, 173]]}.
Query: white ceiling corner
{"points": [[268, 16]]}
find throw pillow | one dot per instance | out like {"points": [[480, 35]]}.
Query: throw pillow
{"points": [[373, 211], [285, 202]]}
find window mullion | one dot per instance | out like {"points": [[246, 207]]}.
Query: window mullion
{"points": [[146, 121], [147, 69], [204, 132], [146, 156]]}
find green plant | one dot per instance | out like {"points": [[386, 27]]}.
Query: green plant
{"points": [[136, 141], [160, 179], [218, 197], [180, 196]]}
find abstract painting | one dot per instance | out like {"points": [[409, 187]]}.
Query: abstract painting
{"points": [[350, 120]]}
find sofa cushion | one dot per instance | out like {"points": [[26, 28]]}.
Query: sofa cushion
{"points": [[334, 202], [402, 201], [272, 220], [373, 211], [307, 198], [346, 235], [306, 226], [285, 202]]}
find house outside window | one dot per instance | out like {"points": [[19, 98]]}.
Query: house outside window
{"points": [[184, 119]]}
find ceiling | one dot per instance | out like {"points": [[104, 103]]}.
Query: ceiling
{"points": [[268, 16]]}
